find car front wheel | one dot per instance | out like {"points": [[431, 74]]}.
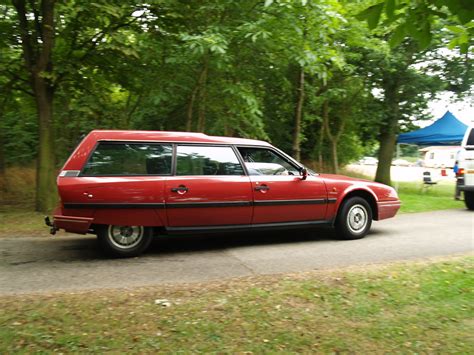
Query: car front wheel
{"points": [[469, 200], [124, 241], [354, 219]]}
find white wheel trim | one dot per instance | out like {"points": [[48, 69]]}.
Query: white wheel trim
{"points": [[125, 237], [357, 219]]}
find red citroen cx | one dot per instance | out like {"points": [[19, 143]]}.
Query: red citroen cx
{"points": [[127, 186]]}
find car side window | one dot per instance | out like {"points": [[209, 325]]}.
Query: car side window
{"points": [[261, 161], [207, 160], [129, 159]]}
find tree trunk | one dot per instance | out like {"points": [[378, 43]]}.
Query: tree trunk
{"points": [[320, 147], [298, 116], [189, 113], [202, 111], [2, 160], [2, 145], [335, 161], [37, 55], [2, 156], [202, 98], [46, 165], [197, 90], [333, 137], [387, 144], [388, 131]]}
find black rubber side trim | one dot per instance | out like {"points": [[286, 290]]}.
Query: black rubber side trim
{"points": [[320, 201], [199, 204], [248, 227], [114, 205], [208, 204]]}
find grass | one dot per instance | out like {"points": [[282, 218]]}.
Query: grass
{"points": [[404, 308], [22, 222], [415, 198]]}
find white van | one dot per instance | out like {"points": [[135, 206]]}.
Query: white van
{"points": [[468, 166]]}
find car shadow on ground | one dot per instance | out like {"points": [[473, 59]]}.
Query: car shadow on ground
{"points": [[74, 248], [170, 244], [87, 248]]}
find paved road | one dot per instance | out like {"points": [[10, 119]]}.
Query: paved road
{"points": [[66, 263]]}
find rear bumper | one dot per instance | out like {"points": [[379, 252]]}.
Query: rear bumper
{"points": [[72, 224], [387, 209]]}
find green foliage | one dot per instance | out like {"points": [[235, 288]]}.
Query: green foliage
{"points": [[231, 68], [416, 19]]}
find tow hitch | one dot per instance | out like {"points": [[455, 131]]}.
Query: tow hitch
{"points": [[48, 222]]}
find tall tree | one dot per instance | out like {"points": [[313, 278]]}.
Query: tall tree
{"points": [[36, 29], [404, 92], [51, 60]]}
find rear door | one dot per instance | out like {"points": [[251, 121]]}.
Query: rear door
{"points": [[279, 193], [209, 188]]}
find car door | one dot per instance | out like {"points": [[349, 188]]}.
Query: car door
{"points": [[209, 188], [279, 193]]}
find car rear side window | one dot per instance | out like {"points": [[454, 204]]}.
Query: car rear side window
{"points": [[129, 159], [207, 160]]}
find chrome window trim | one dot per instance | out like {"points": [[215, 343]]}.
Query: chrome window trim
{"points": [[69, 173]]}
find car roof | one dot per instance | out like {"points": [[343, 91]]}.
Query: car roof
{"points": [[169, 136]]}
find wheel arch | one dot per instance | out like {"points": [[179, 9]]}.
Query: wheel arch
{"points": [[366, 195]]}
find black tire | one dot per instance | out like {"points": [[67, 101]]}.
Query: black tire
{"points": [[124, 241], [354, 219], [469, 200]]}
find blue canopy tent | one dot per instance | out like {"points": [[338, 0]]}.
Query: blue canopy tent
{"points": [[448, 130]]}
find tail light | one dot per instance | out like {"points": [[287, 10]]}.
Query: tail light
{"points": [[461, 171]]}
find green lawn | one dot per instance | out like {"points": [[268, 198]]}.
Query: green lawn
{"points": [[415, 198], [402, 308], [18, 221]]}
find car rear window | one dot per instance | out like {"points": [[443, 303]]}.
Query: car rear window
{"points": [[207, 160], [129, 159]]}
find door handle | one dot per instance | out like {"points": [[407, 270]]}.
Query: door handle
{"points": [[180, 189], [262, 188]]}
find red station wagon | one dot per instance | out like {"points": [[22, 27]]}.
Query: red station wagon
{"points": [[127, 186]]}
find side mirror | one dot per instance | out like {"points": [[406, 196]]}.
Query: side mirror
{"points": [[304, 174]]}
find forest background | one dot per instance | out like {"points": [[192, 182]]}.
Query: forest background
{"points": [[325, 80]]}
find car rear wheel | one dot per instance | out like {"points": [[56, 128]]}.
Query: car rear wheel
{"points": [[124, 241], [469, 200], [354, 219]]}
